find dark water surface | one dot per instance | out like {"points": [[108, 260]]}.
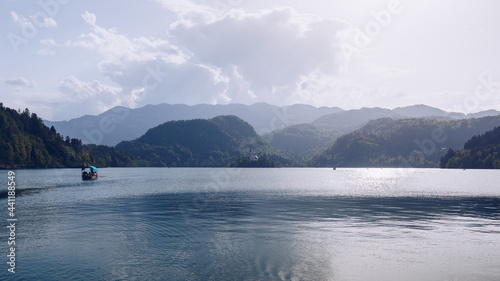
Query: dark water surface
{"points": [[255, 224]]}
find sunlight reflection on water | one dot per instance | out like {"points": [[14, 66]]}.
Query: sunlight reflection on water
{"points": [[259, 224]]}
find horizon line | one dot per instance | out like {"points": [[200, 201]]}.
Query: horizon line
{"points": [[265, 103]]}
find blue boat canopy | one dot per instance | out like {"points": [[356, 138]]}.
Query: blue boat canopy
{"points": [[91, 168]]}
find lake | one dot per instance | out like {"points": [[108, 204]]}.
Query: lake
{"points": [[254, 224]]}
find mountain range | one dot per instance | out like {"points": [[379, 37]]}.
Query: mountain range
{"points": [[120, 123], [123, 124], [416, 136]]}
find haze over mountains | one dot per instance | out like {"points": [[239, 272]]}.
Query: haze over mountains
{"points": [[123, 124], [367, 137], [409, 142]]}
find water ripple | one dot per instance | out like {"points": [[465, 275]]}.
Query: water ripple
{"points": [[261, 226]]}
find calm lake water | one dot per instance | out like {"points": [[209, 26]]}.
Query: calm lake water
{"points": [[255, 224]]}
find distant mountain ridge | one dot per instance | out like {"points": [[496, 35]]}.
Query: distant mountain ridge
{"points": [[349, 120], [121, 123], [228, 140], [307, 139]]}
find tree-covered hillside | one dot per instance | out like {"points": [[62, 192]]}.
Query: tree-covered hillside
{"points": [[480, 152], [235, 127], [25, 142], [129, 124], [304, 140], [221, 141], [402, 143]]}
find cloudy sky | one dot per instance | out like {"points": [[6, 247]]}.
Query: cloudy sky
{"points": [[63, 58]]}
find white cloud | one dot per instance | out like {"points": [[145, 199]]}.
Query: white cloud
{"points": [[208, 58], [21, 81], [141, 65], [94, 96], [184, 7], [161, 81], [89, 18], [38, 20], [271, 50], [15, 17], [118, 49], [43, 21], [45, 52], [189, 13], [75, 88], [48, 42], [20, 20]]}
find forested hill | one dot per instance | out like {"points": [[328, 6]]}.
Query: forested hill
{"points": [[220, 141], [304, 139], [25, 142], [402, 143], [480, 152], [129, 124]]}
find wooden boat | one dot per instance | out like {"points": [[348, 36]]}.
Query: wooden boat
{"points": [[91, 174]]}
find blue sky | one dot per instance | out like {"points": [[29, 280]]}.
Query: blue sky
{"points": [[66, 58]]}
